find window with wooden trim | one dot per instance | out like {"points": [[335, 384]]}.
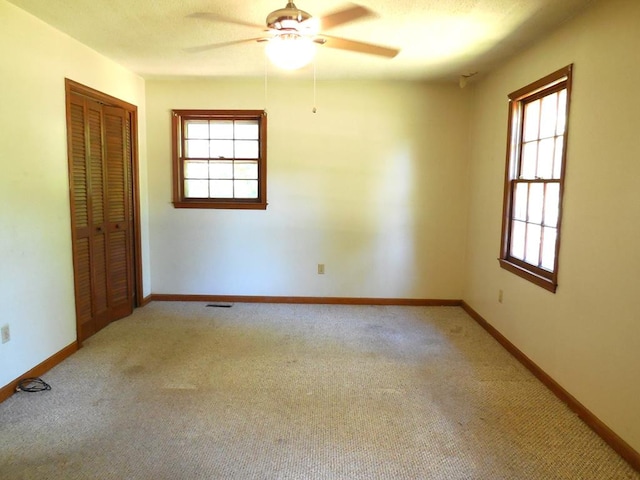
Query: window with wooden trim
{"points": [[534, 179], [219, 159]]}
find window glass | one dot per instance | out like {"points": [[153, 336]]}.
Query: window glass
{"points": [[197, 129], [549, 248], [520, 202], [221, 188], [532, 254], [246, 170], [246, 188], [551, 202], [518, 239], [220, 169], [562, 107], [221, 129], [197, 148], [196, 188], [247, 130], [196, 169], [546, 149], [531, 121], [246, 149], [557, 157], [221, 149], [528, 165], [549, 115], [536, 203]]}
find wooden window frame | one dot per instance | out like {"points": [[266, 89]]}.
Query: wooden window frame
{"points": [[554, 82], [179, 200]]}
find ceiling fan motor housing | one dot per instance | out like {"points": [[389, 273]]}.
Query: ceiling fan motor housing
{"points": [[287, 18]]}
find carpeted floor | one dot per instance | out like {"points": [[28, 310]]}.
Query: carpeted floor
{"points": [[263, 391]]}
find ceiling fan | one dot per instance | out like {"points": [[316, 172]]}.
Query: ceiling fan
{"points": [[294, 34]]}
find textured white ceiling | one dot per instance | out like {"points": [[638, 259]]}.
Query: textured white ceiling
{"points": [[439, 39]]}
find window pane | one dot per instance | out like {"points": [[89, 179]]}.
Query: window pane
{"points": [[531, 120], [517, 239], [221, 169], [562, 110], [532, 255], [551, 204], [246, 188], [247, 129], [557, 161], [221, 188], [549, 249], [221, 129], [545, 158], [246, 170], [196, 169], [221, 149], [197, 149], [529, 160], [520, 201], [536, 203], [196, 188], [197, 129], [246, 149], [548, 116]]}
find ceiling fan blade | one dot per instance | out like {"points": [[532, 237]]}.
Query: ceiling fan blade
{"points": [[340, 17], [361, 47], [213, 46], [214, 17]]}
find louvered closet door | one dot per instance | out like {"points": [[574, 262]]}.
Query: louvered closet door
{"points": [[98, 230], [80, 211], [100, 152], [118, 152]]}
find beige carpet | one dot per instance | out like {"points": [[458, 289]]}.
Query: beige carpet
{"points": [[183, 391]]}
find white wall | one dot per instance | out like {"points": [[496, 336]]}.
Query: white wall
{"points": [[36, 271], [373, 186], [587, 335]]}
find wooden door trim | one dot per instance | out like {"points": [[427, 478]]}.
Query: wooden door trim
{"points": [[72, 87]]}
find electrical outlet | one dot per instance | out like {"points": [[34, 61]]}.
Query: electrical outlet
{"points": [[6, 333], [500, 295], [321, 269]]}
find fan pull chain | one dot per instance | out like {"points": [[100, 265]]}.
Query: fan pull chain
{"points": [[266, 64], [314, 109]]}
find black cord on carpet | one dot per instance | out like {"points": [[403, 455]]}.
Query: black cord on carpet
{"points": [[32, 385]]}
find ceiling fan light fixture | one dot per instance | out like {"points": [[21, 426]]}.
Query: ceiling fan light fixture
{"points": [[290, 51]]}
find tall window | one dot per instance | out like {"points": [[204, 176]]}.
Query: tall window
{"points": [[534, 178], [220, 159]]}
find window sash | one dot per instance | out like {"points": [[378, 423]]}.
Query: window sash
{"points": [[534, 222]]}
